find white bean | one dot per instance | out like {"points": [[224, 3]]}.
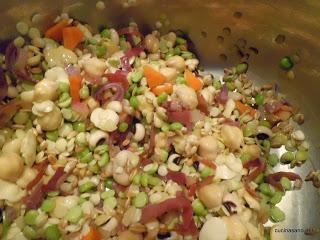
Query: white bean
{"points": [[140, 132], [176, 62], [211, 195], [208, 147], [11, 167], [115, 106], [96, 136], [12, 146], [94, 67], [10, 191], [214, 229], [106, 120], [232, 137], [170, 73]]}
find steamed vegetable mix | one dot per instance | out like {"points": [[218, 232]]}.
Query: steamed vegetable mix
{"points": [[117, 135]]}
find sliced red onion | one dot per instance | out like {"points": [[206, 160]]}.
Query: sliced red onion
{"points": [[130, 32], [72, 70], [272, 107], [81, 108], [16, 61], [3, 85], [117, 96], [222, 97], [119, 76], [203, 105], [125, 60]]}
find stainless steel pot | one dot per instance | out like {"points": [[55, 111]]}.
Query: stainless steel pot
{"points": [[224, 33]]}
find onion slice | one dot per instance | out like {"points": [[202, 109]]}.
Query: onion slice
{"points": [[117, 96], [3, 85]]}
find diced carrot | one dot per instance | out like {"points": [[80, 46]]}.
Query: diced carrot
{"points": [[193, 81], [55, 32], [154, 78], [245, 109], [75, 85], [94, 234], [164, 88], [72, 36]]}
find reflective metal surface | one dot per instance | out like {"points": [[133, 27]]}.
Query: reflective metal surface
{"points": [[224, 32]]}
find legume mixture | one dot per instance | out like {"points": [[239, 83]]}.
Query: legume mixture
{"points": [[117, 135]]}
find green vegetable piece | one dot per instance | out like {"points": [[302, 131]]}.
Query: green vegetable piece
{"points": [[230, 86], [79, 126], [53, 193], [276, 198], [154, 181], [198, 208], [248, 132], [108, 194], [217, 84], [86, 187], [273, 159], [104, 160], [123, 127], [286, 63], [106, 33], [266, 189], [29, 232], [245, 157], [286, 183], [37, 76], [52, 233], [86, 156], [287, 157], [144, 179], [136, 76], [101, 149], [176, 126], [162, 98], [30, 217], [21, 117], [265, 123], [134, 102], [259, 98], [181, 41], [109, 183], [64, 87], [74, 214], [301, 156], [101, 51], [242, 68], [176, 51], [151, 168], [259, 179], [84, 92], [206, 172], [136, 179], [181, 80], [111, 202], [52, 135], [140, 200], [277, 215], [48, 205]]}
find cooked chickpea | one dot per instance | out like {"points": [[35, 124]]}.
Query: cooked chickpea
{"points": [[129, 235], [211, 195], [236, 229], [11, 166], [186, 95], [50, 121], [152, 43], [232, 137], [170, 73], [94, 67], [208, 147], [176, 62], [253, 150], [46, 90]]}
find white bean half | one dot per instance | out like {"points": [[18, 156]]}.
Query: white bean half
{"points": [[11, 166], [140, 132], [232, 137]]}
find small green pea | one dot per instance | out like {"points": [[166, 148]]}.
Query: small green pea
{"points": [[101, 51], [151, 168], [84, 92], [176, 126], [286, 183], [245, 157], [64, 87], [287, 157], [286, 63], [187, 54], [248, 132], [107, 194], [123, 127], [181, 80], [29, 232], [176, 51], [277, 215], [37, 76], [109, 183], [111, 202], [79, 126], [199, 208], [266, 189], [181, 41], [273, 159], [265, 123], [74, 214], [259, 179], [259, 98], [86, 187], [217, 84], [134, 102], [144, 179], [230, 86], [154, 181], [30, 217], [242, 68], [86, 156], [137, 76], [276, 198], [140, 200], [48, 205], [101, 149], [301, 156], [106, 33], [136, 179], [206, 172], [104, 160], [52, 233], [21, 117], [162, 98]]}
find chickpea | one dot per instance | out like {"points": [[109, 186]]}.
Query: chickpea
{"points": [[253, 150], [94, 67], [208, 147], [170, 73], [50, 121], [232, 137], [236, 229], [176, 62], [46, 90], [211, 195], [129, 235], [187, 96], [11, 166], [152, 43]]}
